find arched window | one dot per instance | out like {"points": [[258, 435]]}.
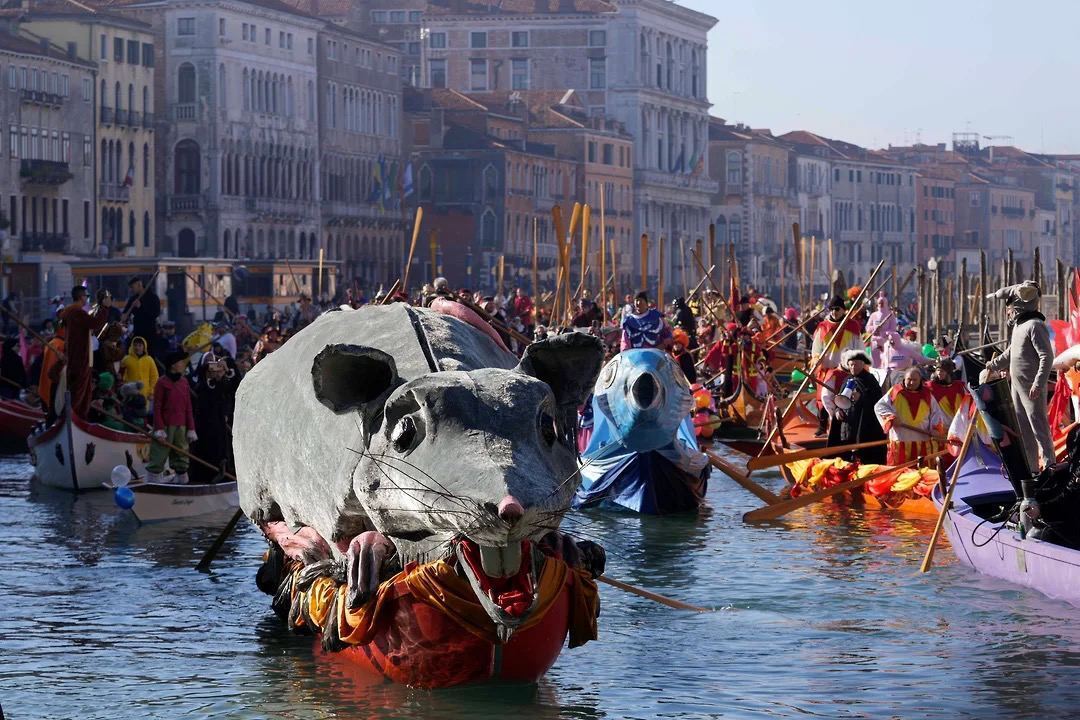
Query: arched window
{"points": [[491, 183], [146, 229], [245, 79], [103, 98], [117, 97], [735, 232], [186, 164], [670, 65], [734, 167], [185, 83], [131, 226], [104, 161], [131, 97], [488, 227], [424, 185], [223, 87], [146, 165], [146, 100], [226, 242], [644, 70]]}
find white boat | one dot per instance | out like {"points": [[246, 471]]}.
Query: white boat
{"points": [[73, 454], [155, 502]]}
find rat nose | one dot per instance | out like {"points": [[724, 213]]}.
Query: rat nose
{"points": [[510, 509], [644, 390]]}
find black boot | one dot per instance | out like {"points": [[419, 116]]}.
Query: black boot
{"points": [[823, 423]]}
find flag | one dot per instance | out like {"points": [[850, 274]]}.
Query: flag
{"points": [[376, 182], [698, 166], [389, 180], [407, 185], [129, 179], [678, 166]]}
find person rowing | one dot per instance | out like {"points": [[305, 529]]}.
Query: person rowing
{"points": [[912, 418], [854, 420], [830, 374]]}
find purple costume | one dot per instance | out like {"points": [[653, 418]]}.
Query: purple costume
{"points": [[647, 330]]}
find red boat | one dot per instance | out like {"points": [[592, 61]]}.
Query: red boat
{"points": [[17, 421]]}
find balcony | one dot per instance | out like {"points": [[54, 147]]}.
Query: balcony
{"points": [[186, 111], [40, 97], [128, 118], [148, 120], [185, 203], [1016, 212], [110, 192], [658, 178], [44, 242], [106, 115], [44, 172]]}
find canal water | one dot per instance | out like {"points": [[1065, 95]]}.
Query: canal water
{"points": [[823, 615]]}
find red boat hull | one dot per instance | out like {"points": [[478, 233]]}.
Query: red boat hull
{"points": [[17, 421], [423, 647]]}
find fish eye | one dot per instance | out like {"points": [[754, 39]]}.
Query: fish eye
{"points": [[548, 430], [404, 435]]}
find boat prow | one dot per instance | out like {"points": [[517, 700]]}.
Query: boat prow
{"points": [[73, 454]]}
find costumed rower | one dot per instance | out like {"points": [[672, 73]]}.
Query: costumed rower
{"points": [[912, 417], [79, 350], [645, 327], [829, 373], [1028, 359], [947, 389], [855, 421]]}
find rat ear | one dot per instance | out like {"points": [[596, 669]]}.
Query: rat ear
{"points": [[348, 377], [568, 363]]}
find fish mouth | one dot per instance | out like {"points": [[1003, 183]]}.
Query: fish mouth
{"points": [[503, 579]]}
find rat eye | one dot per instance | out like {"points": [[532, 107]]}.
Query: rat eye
{"points": [[404, 435], [547, 428]]}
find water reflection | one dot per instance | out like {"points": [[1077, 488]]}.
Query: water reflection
{"points": [[825, 615]]}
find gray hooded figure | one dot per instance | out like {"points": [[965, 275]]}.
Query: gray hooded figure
{"points": [[1028, 359]]}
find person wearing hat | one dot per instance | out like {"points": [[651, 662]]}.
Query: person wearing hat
{"points": [[947, 388], [174, 421], [1028, 359], [138, 366], [854, 418], [143, 307], [881, 325], [830, 374], [912, 418]]}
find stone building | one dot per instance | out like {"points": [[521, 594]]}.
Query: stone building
{"points": [[238, 147], [123, 50], [361, 166], [47, 181], [754, 206], [639, 62]]}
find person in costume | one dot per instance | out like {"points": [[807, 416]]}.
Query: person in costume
{"points": [[645, 327], [830, 376], [947, 388], [685, 320], [174, 421], [681, 354], [80, 327], [854, 420], [1028, 360], [912, 418], [138, 366], [881, 325]]}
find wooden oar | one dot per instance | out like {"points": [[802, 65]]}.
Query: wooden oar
{"points": [[212, 551], [641, 592], [928, 559], [912, 428], [771, 512], [767, 461], [742, 477]]}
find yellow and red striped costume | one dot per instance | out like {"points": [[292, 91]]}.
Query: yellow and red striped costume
{"points": [[922, 416]]}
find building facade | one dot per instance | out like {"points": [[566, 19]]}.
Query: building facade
{"points": [[361, 163], [238, 149], [124, 52]]}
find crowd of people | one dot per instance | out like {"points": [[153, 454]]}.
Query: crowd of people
{"points": [[128, 369]]}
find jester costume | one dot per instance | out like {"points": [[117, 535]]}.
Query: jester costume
{"points": [[949, 396], [911, 418]]}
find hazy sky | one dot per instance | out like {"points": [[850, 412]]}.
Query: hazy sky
{"points": [[889, 71]]}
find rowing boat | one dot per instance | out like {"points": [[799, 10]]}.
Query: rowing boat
{"points": [[74, 454], [998, 550], [157, 502], [912, 501]]}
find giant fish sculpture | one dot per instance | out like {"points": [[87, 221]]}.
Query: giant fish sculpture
{"points": [[411, 475], [642, 454]]}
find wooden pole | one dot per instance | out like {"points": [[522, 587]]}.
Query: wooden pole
{"points": [[894, 287], [575, 219], [433, 248], [813, 267], [939, 300], [830, 262], [319, 286], [782, 271], [536, 260], [602, 260], [412, 248], [501, 275], [962, 316], [712, 244], [928, 559], [983, 290], [1063, 310], [920, 311], [586, 227], [644, 261], [685, 275], [660, 274], [796, 250], [560, 242]]}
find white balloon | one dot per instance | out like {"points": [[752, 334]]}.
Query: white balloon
{"points": [[120, 477]]}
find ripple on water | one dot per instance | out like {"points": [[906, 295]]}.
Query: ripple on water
{"points": [[822, 615]]}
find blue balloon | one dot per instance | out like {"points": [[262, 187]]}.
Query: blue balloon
{"points": [[124, 497]]}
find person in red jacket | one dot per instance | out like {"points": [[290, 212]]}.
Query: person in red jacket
{"points": [[174, 421]]}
